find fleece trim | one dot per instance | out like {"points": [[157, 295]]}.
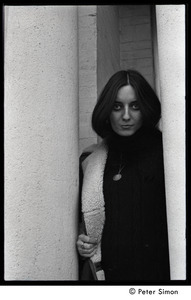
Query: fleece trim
{"points": [[93, 204]]}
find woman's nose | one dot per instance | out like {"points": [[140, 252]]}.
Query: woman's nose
{"points": [[126, 115]]}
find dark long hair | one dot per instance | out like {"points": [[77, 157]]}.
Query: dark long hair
{"points": [[148, 101]]}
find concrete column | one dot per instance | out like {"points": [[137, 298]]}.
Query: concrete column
{"points": [[41, 142], [171, 47]]}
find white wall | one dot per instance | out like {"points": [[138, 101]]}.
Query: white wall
{"points": [[41, 142], [171, 49]]}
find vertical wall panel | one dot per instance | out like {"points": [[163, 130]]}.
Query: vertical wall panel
{"points": [[98, 60], [87, 25], [108, 43], [136, 40]]}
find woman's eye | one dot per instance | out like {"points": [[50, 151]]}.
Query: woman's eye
{"points": [[116, 107], [135, 106]]}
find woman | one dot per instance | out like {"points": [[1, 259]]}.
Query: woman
{"points": [[123, 193]]}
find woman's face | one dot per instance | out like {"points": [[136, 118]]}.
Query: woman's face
{"points": [[126, 117]]}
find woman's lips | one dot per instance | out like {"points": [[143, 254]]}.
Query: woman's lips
{"points": [[126, 126]]}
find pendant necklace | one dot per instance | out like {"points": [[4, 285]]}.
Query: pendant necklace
{"points": [[118, 176]]}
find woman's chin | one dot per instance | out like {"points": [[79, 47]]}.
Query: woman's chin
{"points": [[125, 132]]}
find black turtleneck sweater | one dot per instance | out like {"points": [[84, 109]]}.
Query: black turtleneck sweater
{"points": [[135, 240]]}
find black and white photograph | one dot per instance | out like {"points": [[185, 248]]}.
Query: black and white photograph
{"points": [[95, 147]]}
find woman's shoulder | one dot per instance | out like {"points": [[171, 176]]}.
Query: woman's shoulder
{"points": [[156, 143], [90, 148], [155, 135], [87, 151], [158, 136]]}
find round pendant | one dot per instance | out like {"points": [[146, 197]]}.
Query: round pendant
{"points": [[117, 177]]}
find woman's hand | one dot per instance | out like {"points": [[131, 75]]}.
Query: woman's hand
{"points": [[86, 246]]}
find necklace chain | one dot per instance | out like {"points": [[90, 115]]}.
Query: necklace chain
{"points": [[118, 176]]}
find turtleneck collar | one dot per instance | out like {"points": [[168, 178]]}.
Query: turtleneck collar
{"points": [[142, 139]]}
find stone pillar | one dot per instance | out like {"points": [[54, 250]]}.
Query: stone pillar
{"points": [[41, 142], [171, 48]]}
